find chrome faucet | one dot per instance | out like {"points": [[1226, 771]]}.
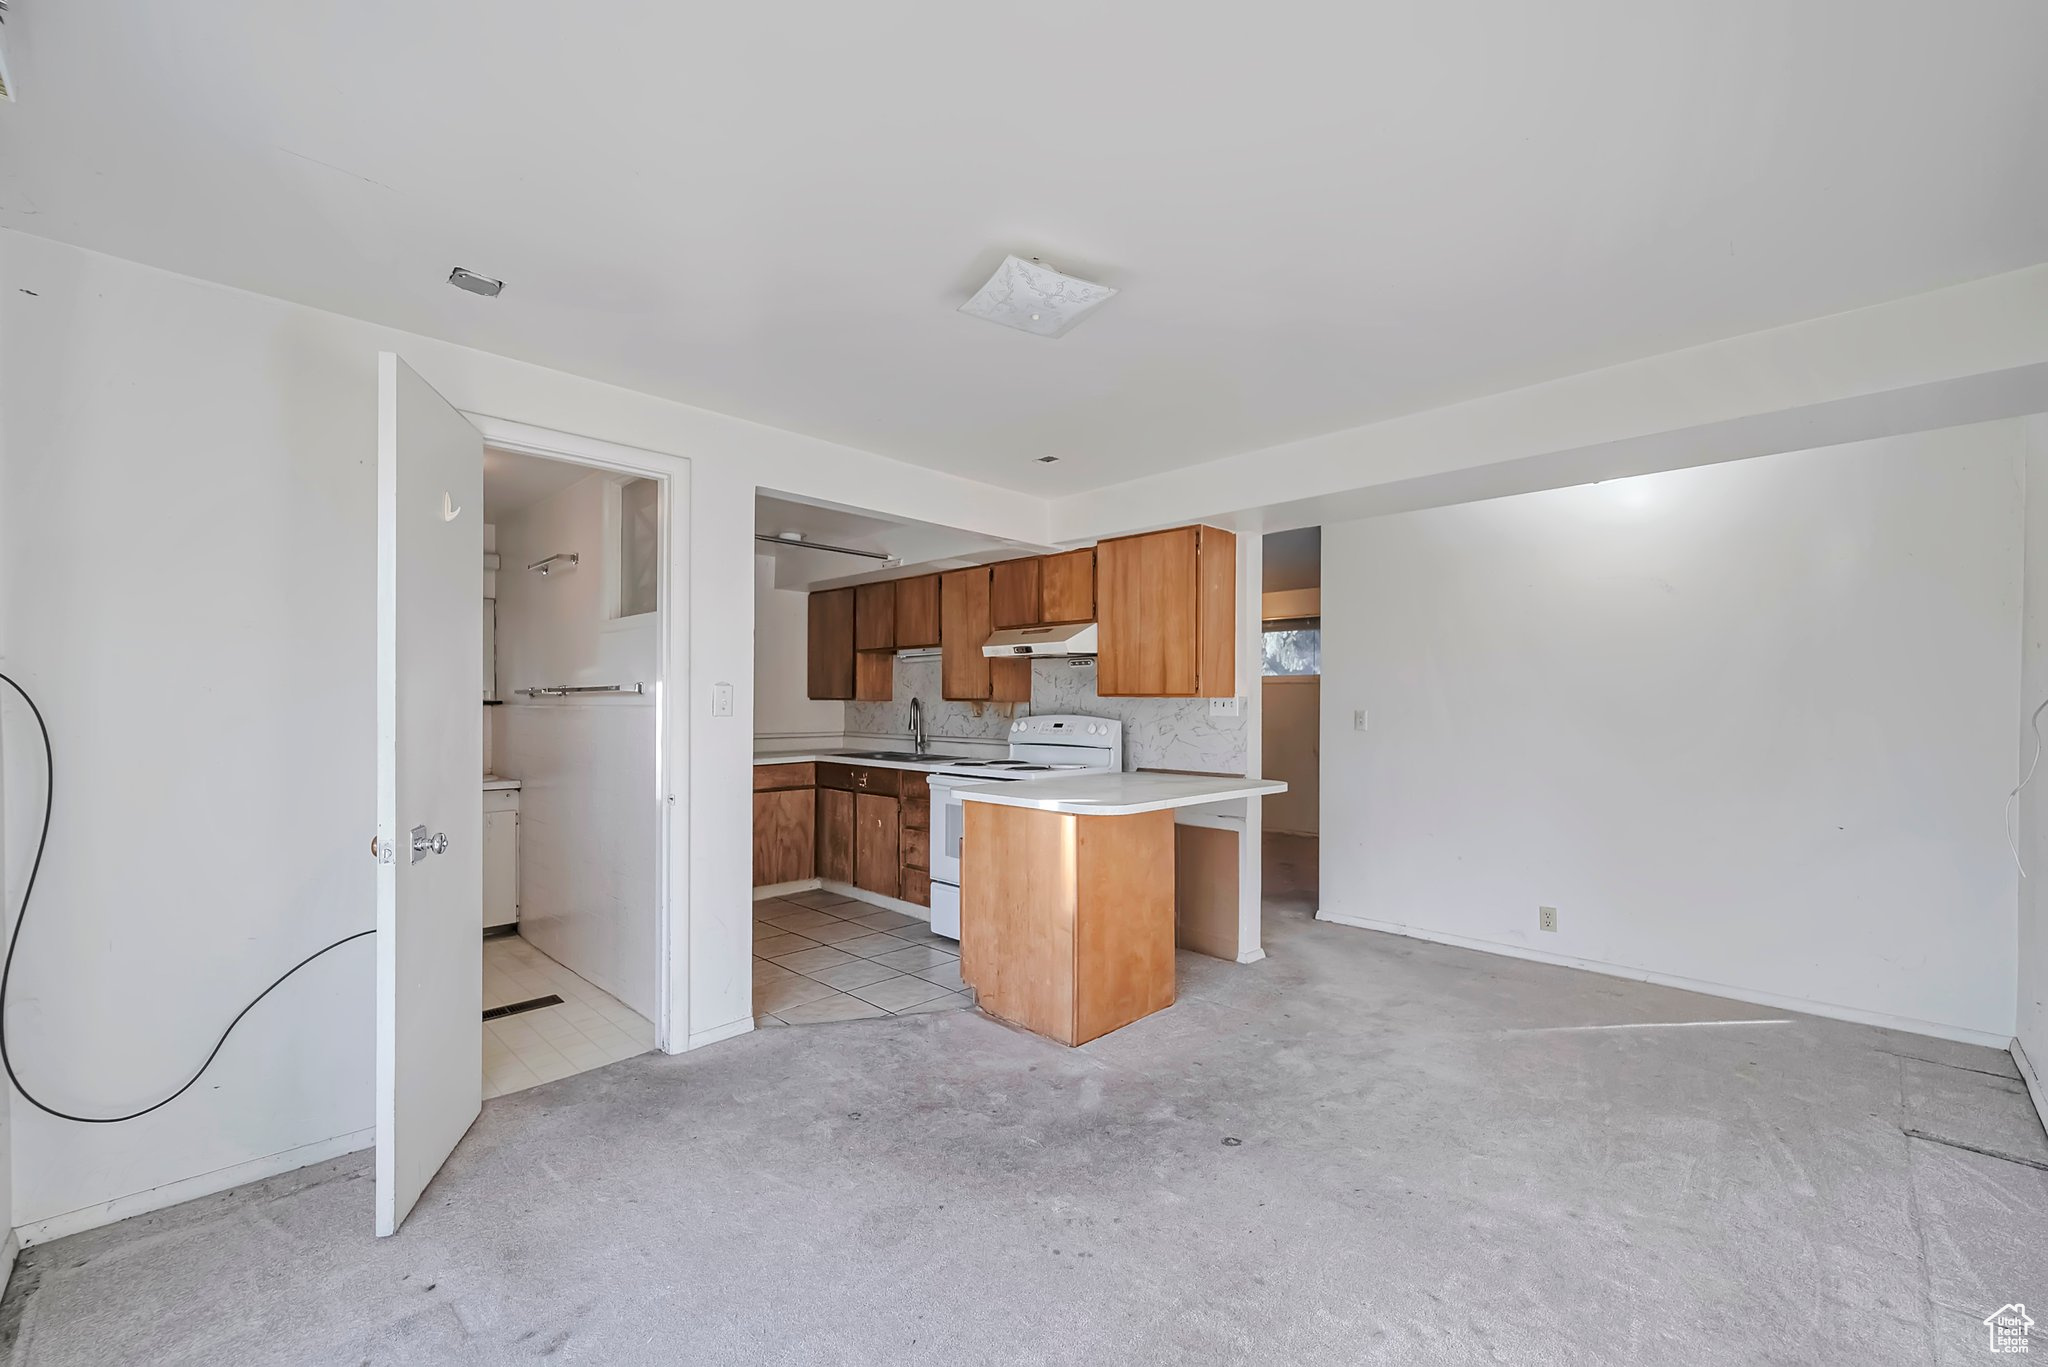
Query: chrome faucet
{"points": [[916, 726]]}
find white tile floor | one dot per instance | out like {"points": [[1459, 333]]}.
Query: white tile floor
{"points": [[822, 957], [588, 1030]]}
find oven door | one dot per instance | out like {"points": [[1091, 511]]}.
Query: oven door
{"points": [[949, 821]]}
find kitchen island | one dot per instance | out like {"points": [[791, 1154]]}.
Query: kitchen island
{"points": [[1067, 896]]}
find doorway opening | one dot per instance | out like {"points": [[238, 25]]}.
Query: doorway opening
{"points": [[597, 660], [862, 719], [1291, 691], [571, 845]]}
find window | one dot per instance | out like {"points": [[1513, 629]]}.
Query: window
{"points": [[1294, 647], [639, 546]]}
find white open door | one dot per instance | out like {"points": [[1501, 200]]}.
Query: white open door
{"points": [[430, 547]]}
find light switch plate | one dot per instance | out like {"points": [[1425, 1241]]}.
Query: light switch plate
{"points": [[1358, 720], [1226, 707], [721, 700]]}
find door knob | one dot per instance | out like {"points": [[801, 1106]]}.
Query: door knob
{"points": [[424, 844]]}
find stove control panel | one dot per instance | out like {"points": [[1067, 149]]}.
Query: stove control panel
{"points": [[1047, 728]]}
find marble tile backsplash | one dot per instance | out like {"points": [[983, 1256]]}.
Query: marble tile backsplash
{"points": [[1159, 733]]}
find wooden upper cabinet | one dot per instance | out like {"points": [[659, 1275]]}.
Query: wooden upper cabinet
{"points": [[917, 611], [1066, 586], [1009, 680], [874, 617], [830, 644], [1013, 593], [964, 626], [1166, 605], [874, 676]]}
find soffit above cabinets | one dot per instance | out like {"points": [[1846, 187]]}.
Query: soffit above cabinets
{"points": [[911, 547]]}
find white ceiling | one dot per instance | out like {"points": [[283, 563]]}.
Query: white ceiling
{"points": [[515, 482], [1318, 214]]}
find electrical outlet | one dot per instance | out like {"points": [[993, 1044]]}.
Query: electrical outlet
{"points": [[1226, 707], [1358, 720], [721, 700], [1546, 918]]}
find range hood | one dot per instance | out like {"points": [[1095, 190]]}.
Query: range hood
{"points": [[1077, 638]]}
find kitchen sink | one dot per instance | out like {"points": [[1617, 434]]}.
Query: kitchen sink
{"points": [[887, 754]]}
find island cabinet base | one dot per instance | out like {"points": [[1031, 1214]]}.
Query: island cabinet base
{"points": [[1066, 921]]}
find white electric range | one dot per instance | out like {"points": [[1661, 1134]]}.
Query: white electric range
{"points": [[1040, 747]]}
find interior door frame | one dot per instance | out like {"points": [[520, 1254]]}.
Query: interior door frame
{"points": [[671, 692]]}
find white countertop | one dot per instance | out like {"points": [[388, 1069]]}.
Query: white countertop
{"points": [[1120, 794], [931, 763]]}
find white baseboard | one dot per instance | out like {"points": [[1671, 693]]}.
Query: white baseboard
{"points": [[699, 1038], [874, 899], [1856, 1015], [763, 893], [879, 900], [2033, 1081], [1252, 956], [191, 1188]]}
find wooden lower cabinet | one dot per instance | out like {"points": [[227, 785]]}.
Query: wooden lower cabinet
{"points": [[835, 835], [877, 844], [915, 815], [852, 827], [917, 849], [1067, 921], [785, 825]]}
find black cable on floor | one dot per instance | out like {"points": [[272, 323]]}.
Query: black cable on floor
{"points": [[14, 939]]}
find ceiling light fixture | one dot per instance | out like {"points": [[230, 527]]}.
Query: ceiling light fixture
{"points": [[799, 539], [1033, 297], [469, 280]]}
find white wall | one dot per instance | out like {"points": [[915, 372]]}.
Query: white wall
{"points": [[1746, 726], [784, 711], [589, 823], [2031, 820], [186, 582]]}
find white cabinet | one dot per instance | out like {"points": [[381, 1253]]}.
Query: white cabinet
{"points": [[501, 856]]}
